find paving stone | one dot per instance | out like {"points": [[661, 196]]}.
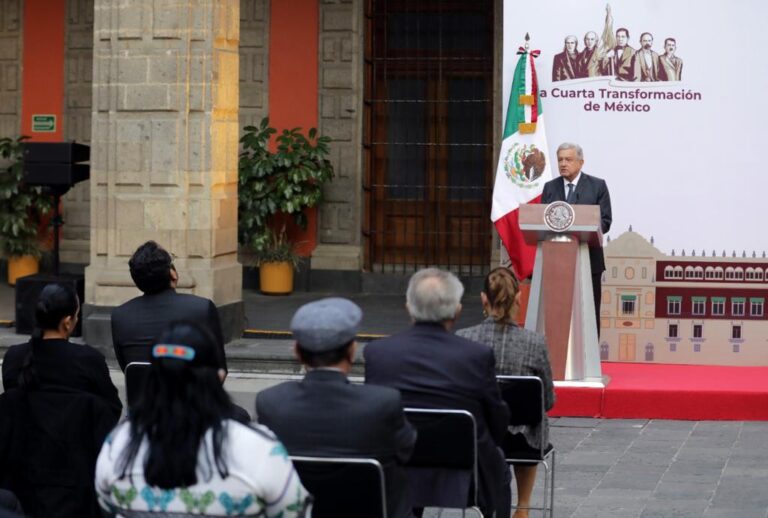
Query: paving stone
{"points": [[608, 510], [575, 422], [674, 508], [629, 480], [623, 423], [684, 491], [667, 424], [717, 512]]}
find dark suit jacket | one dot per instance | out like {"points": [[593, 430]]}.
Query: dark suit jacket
{"points": [[325, 415], [49, 441], [433, 368], [589, 191], [137, 324], [60, 363]]}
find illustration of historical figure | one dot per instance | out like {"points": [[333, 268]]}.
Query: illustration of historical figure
{"points": [[646, 64], [593, 55], [566, 64], [618, 61], [612, 55], [671, 66]]}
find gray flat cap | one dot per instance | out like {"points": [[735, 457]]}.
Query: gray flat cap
{"points": [[326, 324]]}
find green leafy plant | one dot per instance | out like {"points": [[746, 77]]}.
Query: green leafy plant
{"points": [[283, 183], [21, 205]]}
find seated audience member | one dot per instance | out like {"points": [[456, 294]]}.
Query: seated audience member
{"points": [[10, 507], [137, 324], [58, 407], [433, 368], [518, 352], [178, 451], [49, 359], [325, 415]]}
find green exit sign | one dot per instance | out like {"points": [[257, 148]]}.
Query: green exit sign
{"points": [[43, 123]]}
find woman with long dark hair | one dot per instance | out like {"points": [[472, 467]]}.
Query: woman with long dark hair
{"points": [[518, 352], [180, 451], [49, 359]]}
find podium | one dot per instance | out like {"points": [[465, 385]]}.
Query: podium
{"points": [[561, 303]]}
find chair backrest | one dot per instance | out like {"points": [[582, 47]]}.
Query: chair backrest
{"points": [[135, 377], [343, 487], [524, 395], [447, 439]]}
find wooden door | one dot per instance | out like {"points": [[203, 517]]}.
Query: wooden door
{"points": [[428, 133], [627, 347]]}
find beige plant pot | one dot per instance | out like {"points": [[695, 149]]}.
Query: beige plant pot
{"points": [[276, 278], [21, 266]]}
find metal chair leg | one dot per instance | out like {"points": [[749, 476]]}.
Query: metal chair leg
{"points": [[552, 489]]}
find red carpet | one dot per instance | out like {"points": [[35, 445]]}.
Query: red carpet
{"points": [[663, 391]]}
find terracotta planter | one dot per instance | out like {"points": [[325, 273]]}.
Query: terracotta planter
{"points": [[20, 266], [276, 278]]}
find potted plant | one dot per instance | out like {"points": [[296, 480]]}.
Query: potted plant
{"points": [[21, 209], [275, 186]]}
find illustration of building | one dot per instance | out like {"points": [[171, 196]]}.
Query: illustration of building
{"points": [[692, 309]]}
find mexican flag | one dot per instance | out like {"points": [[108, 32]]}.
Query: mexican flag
{"points": [[523, 167]]}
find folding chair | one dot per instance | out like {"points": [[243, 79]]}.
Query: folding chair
{"points": [[343, 487], [135, 377], [524, 396], [446, 441]]}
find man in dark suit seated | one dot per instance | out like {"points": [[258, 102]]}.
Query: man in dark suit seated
{"points": [[433, 368], [325, 415], [137, 323]]}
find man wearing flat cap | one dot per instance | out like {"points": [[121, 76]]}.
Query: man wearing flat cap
{"points": [[325, 415]]}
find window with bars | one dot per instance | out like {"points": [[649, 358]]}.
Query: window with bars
{"points": [[428, 135]]}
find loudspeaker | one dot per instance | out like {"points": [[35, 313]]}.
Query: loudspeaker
{"points": [[56, 152], [55, 175], [28, 290]]}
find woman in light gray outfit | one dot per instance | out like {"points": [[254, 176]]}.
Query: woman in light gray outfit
{"points": [[518, 352]]}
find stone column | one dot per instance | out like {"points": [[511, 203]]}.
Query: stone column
{"points": [[164, 151], [341, 108]]}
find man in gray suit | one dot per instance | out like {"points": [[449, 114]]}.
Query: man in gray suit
{"points": [[325, 415], [579, 188]]}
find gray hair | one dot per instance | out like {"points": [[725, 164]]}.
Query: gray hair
{"points": [[570, 145], [433, 295]]}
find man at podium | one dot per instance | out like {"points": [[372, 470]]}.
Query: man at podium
{"points": [[578, 188]]}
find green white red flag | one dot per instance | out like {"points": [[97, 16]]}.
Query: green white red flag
{"points": [[523, 166]]}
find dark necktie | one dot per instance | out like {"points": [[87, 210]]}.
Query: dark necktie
{"points": [[569, 197]]}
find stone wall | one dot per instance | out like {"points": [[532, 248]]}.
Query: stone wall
{"points": [[10, 67], [78, 76], [254, 55]]}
